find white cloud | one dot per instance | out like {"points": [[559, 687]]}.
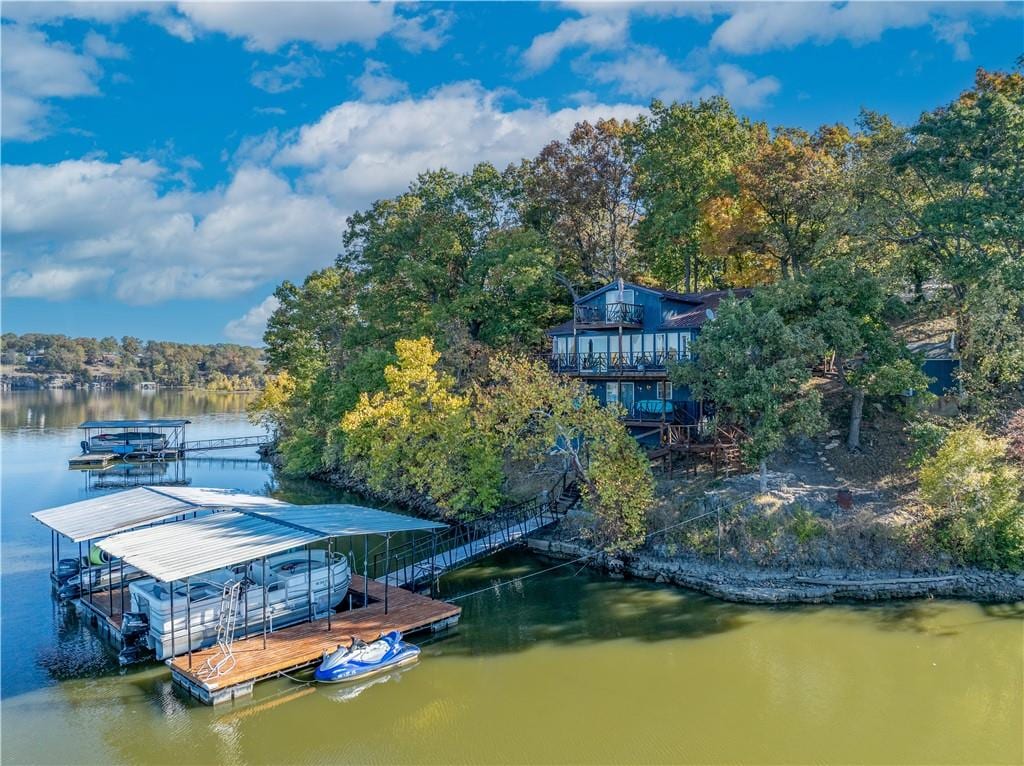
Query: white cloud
{"points": [[646, 73], [360, 151], [955, 32], [100, 47], [112, 217], [249, 327], [742, 89], [289, 75], [126, 228], [600, 31], [427, 31], [758, 27], [35, 69], [377, 85], [55, 282]]}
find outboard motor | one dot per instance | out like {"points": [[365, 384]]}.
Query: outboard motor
{"points": [[85, 447], [134, 627], [72, 588], [67, 568]]}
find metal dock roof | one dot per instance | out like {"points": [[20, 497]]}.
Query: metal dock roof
{"points": [[196, 546], [156, 423], [342, 519], [106, 515]]}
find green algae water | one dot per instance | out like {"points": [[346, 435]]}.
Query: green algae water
{"points": [[563, 667]]}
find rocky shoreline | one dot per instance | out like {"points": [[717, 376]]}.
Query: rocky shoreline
{"points": [[759, 585], [735, 582]]}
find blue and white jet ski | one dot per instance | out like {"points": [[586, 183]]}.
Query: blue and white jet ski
{"points": [[362, 659]]}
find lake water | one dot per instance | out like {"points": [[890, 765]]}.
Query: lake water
{"points": [[562, 667]]}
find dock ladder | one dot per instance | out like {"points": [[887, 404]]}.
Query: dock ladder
{"points": [[223, 660]]}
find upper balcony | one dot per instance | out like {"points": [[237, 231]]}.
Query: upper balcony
{"points": [[609, 315]]}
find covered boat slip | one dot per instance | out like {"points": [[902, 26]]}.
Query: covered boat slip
{"points": [[161, 535]]}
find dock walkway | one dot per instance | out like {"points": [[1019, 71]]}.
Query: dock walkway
{"points": [[299, 646], [438, 563]]}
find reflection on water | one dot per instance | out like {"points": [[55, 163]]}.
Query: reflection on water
{"points": [[563, 667]]}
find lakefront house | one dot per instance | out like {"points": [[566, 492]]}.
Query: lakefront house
{"points": [[622, 340]]}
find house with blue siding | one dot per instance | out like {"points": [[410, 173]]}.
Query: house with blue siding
{"points": [[621, 341]]}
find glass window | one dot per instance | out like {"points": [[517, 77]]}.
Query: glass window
{"points": [[612, 296], [665, 391], [611, 393], [626, 396]]}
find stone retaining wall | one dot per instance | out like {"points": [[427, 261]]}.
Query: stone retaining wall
{"points": [[766, 586]]}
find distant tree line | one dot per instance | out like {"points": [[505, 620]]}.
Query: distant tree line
{"points": [[129, 361], [843, 230]]}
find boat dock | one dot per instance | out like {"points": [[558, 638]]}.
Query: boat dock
{"points": [[171, 444], [300, 646], [176, 536]]}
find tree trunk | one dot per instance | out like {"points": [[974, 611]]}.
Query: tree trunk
{"points": [[763, 466], [856, 413]]}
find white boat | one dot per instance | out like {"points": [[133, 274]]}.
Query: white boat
{"points": [[287, 599], [127, 442]]}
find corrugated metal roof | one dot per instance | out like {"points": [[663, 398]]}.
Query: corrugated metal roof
{"points": [[210, 497], [101, 516], [342, 519], [196, 546], [157, 423]]}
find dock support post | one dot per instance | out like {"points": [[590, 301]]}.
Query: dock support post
{"points": [[433, 563], [53, 556], [58, 549], [110, 585], [309, 579], [387, 578], [245, 594], [89, 559], [171, 586], [121, 578], [330, 566], [366, 571], [264, 602], [188, 618]]}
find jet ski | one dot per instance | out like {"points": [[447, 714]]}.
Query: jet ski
{"points": [[361, 659]]}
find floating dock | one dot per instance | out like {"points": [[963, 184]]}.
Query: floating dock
{"points": [[300, 646]]}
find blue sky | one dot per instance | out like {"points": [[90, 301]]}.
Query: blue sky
{"points": [[165, 166]]}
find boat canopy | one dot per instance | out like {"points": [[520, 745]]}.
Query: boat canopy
{"points": [[159, 423], [341, 520], [192, 547], [196, 546], [106, 515]]}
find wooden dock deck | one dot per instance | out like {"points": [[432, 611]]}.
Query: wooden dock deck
{"points": [[299, 646]]}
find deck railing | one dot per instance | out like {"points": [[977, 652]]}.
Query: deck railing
{"points": [[612, 362], [610, 314]]}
